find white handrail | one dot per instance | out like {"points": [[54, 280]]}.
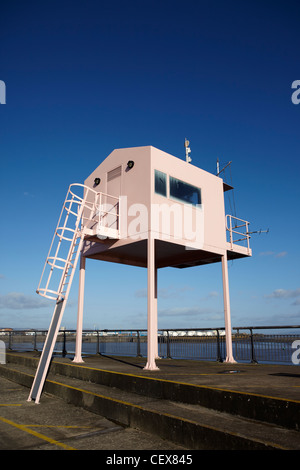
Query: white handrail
{"points": [[89, 210], [244, 234]]}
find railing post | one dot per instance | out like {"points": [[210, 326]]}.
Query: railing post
{"points": [[138, 345], [230, 225], [100, 210], [168, 346], [219, 356], [247, 235], [34, 344], [10, 340], [253, 359], [98, 343], [237, 344], [64, 350]]}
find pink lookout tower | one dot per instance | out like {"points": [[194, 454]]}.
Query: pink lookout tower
{"points": [[141, 207]]}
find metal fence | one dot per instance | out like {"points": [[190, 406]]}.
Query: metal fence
{"points": [[256, 344]]}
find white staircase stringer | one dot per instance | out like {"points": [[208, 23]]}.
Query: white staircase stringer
{"points": [[50, 341]]}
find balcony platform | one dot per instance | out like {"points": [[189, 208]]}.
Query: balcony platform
{"points": [[167, 253]]}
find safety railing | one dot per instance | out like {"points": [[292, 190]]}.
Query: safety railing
{"points": [[103, 216], [252, 344], [237, 228], [84, 212], [99, 210]]}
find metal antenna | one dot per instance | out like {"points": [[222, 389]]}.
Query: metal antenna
{"points": [[259, 231], [218, 167], [187, 151]]}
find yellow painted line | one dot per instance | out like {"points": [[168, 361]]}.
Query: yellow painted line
{"points": [[56, 426], [10, 404], [187, 374], [24, 428], [115, 400]]}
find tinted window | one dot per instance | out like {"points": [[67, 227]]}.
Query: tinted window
{"points": [[160, 183], [184, 192]]}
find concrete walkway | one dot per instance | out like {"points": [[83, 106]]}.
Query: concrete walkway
{"points": [[184, 405]]}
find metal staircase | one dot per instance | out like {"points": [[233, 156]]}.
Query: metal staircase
{"points": [[81, 216]]}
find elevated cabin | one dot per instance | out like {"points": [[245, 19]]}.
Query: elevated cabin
{"points": [[181, 205]]}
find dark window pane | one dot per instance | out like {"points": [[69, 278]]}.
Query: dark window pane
{"points": [[184, 192], [160, 183]]}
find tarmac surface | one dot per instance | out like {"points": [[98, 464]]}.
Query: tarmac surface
{"points": [[55, 424]]}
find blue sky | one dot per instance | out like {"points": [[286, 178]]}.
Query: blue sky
{"points": [[83, 78]]}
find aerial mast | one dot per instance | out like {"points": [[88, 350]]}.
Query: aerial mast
{"points": [[187, 151]]}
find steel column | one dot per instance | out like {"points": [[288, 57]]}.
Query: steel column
{"points": [[152, 347], [78, 347], [229, 355]]}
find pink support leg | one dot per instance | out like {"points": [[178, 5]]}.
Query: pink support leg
{"points": [[229, 354], [78, 357], [155, 314], [152, 307]]}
